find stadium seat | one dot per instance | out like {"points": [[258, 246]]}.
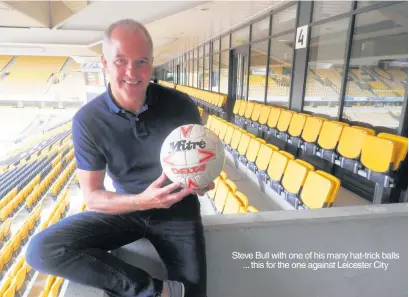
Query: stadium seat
{"points": [[235, 140], [350, 146], [222, 192], [249, 159], [8, 289], [271, 127], [211, 194], [242, 147], [55, 288], [232, 204], [293, 180], [400, 148], [228, 135], [253, 124], [244, 201], [276, 168], [280, 137], [239, 119], [336, 183]]}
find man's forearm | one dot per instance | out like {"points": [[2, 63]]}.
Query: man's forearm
{"points": [[111, 203]]}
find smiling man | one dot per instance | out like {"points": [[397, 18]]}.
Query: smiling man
{"points": [[120, 133]]}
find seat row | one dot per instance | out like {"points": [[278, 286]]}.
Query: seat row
{"points": [[52, 286], [14, 245], [294, 179], [326, 144], [63, 179], [226, 199], [16, 281]]}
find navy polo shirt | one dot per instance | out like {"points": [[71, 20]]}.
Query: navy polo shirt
{"points": [[128, 145]]}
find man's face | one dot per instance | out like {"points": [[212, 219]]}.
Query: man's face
{"points": [[128, 62]]}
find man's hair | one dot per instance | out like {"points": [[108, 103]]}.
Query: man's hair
{"points": [[128, 25]]}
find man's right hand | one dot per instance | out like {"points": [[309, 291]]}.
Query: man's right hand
{"points": [[157, 197]]}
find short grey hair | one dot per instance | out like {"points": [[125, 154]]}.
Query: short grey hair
{"points": [[127, 24]]}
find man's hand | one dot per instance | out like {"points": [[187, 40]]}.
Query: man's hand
{"points": [[157, 197]]}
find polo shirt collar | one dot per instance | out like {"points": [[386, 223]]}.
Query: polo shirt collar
{"points": [[151, 94]]}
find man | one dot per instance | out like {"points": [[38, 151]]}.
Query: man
{"points": [[122, 131]]}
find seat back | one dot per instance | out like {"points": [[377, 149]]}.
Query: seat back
{"points": [[222, 192], [264, 156], [294, 177], [306, 164], [276, 167], [336, 182], [253, 149], [312, 129], [351, 142], [264, 114], [237, 106], [244, 143], [223, 175], [229, 134], [400, 145], [244, 201], [273, 117], [237, 134], [256, 112], [209, 121], [317, 191], [329, 135], [249, 109], [232, 185], [297, 124], [377, 154], [232, 204], [223, 129], [243, 107], [284, 120]]}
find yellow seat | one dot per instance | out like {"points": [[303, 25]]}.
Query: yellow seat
{"points": [[284, 120], [20, 277], [223, 175], [297, 124], [244, 143], [232, 185], [293, 180], [351, 142], [242, 109], [264, 114], [253, 149], [222, 130], [237, 106], [209, 121], [54, 290], [249, 109], [229, 134], [317, 191], [256, 112], [306, 164], [377, 154], [273, 117], [329, 135], [222, 192], [237, 134], [264, 156], [400, 145], [244, 201], [212, 193], [335, 181], [232, 204], [276, 168], [9, 288], [312, 129]]}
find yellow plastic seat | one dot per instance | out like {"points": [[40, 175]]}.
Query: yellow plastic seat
{"points": [[256, 112], [229, 134], [237, 134], [223, 175], [297, 124], [242, 109], [293, 179], [351, 142], [253, 149], [336, 183], [329, 135], [284, 120], [249, 109], [232, 185], [54, 290], [273, 117], [264, 114], [232, 204], [211, 194], [244, 143], [312, 129], [264, 156], [222, 130], [377, 154], [244, 201], [237, 106], [276, 168], [221, 195], [400, 145]]}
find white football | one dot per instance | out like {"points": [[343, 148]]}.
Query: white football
{"points": [[192, 156]]}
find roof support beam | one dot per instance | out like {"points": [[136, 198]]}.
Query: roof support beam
{"points": [[38, 10]]}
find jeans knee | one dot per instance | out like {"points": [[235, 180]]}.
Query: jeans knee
{"points": [[43, 251]]}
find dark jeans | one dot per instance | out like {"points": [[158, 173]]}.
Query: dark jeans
{"points": [[76, 248]]}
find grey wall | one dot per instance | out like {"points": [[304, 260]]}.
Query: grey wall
{"points": [[381, 228], [338, 230]]}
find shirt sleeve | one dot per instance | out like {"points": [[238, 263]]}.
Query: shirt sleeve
{"points": [[87, 155]]}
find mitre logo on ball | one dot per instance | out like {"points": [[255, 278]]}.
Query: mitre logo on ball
{"points": [[192, 156]]}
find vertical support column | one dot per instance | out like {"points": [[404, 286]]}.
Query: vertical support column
{"points": [[300, 63]]}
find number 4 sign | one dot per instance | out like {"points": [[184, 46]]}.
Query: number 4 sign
{"points": [[301, 37]]}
